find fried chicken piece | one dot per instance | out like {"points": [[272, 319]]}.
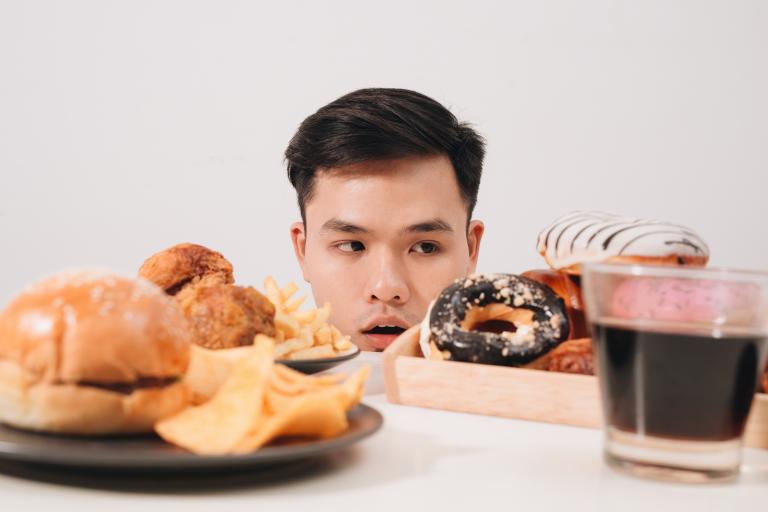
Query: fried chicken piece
{"points": [[225, 315], [186, 264], [572, 356], [220, 314]]}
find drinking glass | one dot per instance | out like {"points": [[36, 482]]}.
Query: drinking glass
{"points": [[679, 354]]}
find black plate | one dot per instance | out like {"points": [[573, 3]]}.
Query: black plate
{"points": [[310, 366], [150, 454]]}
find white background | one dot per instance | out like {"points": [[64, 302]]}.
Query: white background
{"points": [[126, 127]]}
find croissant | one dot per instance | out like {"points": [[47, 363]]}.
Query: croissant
{"points": [[572, 356]]}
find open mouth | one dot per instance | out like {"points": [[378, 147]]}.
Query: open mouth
{"points": [[386, 329], [381, 336]]}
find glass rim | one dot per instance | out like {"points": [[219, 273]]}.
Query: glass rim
{"points": [[668, 271]]}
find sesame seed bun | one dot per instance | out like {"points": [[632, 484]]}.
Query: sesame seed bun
{"points": [[91, 352]]}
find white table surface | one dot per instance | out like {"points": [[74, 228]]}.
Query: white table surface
{"points": [[421, 458]]}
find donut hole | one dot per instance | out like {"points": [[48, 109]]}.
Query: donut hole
{"points": [[496, 318]]}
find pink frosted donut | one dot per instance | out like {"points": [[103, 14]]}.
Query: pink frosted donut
{"points": [[682, 300]]}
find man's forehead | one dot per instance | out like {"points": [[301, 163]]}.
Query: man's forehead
{"points": [[366, 214], [393, 195]]}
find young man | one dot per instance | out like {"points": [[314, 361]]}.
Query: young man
{"points": [[387, 180]]}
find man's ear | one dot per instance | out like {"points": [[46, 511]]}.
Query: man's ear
{"points": [[474, 236], [299, 239]]}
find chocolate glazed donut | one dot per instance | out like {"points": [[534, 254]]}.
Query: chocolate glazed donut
{"points": [[498, 319]]}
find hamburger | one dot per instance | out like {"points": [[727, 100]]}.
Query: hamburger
{"points": [[91, 352]]}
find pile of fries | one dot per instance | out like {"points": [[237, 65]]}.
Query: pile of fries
{"points": [[261, 401], [305, 334]]}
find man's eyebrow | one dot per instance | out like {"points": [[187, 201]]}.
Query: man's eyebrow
{"points": [[342, 226], [429, 227]]}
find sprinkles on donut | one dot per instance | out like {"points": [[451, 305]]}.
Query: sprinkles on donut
{"points": [[501, 319]]}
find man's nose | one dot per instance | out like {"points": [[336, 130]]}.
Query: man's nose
{"points": [[388, 282]]}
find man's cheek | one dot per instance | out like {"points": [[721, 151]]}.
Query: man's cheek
{"points": [[430, 284], [342, 305]]}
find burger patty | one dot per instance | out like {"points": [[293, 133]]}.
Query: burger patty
{"points": [[126, 388]]}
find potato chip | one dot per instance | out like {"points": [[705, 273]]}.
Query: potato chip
{"points": [[283, 373], [217, 426], [209, 369], [261, 401], [321, 413], [355, 385], [286, 384], [316, 414]]}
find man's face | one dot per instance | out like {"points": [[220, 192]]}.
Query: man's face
{"points": [[382, 239]]}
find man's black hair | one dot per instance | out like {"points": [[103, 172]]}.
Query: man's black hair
{"points": [[377, 124]]}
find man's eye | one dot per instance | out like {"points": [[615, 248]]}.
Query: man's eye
{"points": [[350, 246], [425, 248]]}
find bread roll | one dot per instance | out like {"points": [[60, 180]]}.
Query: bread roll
{"points": [[91, 353]]}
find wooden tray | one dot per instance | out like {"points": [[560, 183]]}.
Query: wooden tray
{"points": [[510, 392]]}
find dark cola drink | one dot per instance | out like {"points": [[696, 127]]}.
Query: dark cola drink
{"points": [[679, 355], [677, 386]]}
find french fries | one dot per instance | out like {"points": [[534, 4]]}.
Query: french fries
{"points": [[298, 335], [302, 334], [260, 401]]}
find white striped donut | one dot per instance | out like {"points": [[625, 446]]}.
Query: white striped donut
{"points": [[581, 236]]}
